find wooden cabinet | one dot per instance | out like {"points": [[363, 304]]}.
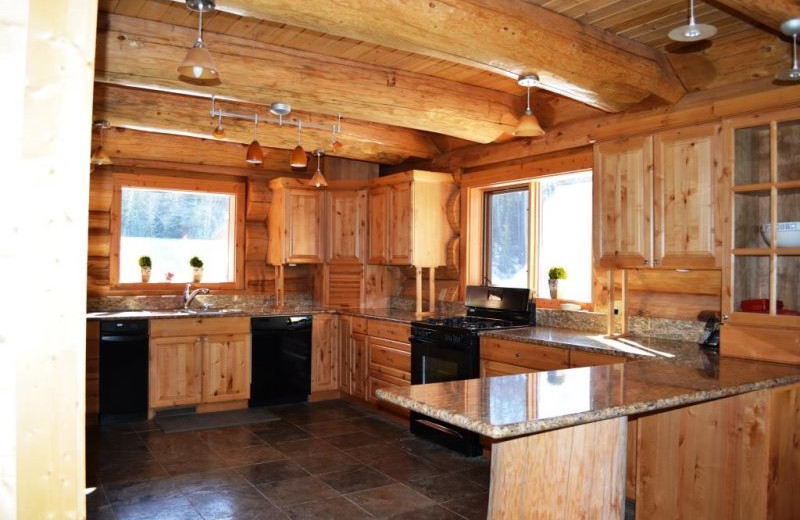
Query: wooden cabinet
{"points": [[199, 360], [582, 358], [324, 353], [500, 357], [346, 225], [353, 367], [761, 275], [407, 219], [656, 200], [92, 371], [388, 355], [293, 223]]}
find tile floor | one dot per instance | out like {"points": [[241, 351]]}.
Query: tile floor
{"points": [[326, 460]]}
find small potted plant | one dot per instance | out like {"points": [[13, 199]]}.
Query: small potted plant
{"points": [[555, 274], [197, 267], [147, 267]]}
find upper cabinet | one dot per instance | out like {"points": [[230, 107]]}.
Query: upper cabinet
{"points": [[408, 220], [761, 277], [655, 199], [293, 223], [346, 223]]}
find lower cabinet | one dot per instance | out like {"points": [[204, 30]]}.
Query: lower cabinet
{"points": [[198, 361], [500, 357], [353, 368], [324, 353]]}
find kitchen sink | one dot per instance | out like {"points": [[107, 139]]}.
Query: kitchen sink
{"points": [[208, 312]]}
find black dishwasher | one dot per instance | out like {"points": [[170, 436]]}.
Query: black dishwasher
{"points": [[281, 360], [124, 352]]}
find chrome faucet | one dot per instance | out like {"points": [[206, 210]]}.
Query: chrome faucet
{"points": [[189, 295]]}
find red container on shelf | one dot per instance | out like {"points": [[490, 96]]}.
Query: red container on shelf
{"points": [[759, 305]]}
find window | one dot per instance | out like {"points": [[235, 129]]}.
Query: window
{"points": [[559, 225], [172, 220]]}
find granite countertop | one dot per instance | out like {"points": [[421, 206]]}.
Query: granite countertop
{"points": [[509, 406]]}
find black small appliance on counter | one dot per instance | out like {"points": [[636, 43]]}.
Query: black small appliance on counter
{"points": [[448, 349]]}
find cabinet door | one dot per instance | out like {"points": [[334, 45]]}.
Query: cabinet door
{"points": [[175, 371], [685, 193], [345, 368], [491, 368], [359, 364], [379, 211], [579, 358], [622, 188], [401, 231], [347, 223], [324, 354], [226, 367], [303, 238]]}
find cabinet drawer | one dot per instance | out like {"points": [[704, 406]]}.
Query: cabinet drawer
{"points": [[389, 330], [389, 361], [535, 357], [579, 358], [377, 381], [495, 368], [359, 325], [198, 326]]}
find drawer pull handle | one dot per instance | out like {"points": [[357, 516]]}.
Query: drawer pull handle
{"points": [[441, 428], [517, 355]]}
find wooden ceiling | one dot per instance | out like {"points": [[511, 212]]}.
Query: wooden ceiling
{"points": [[417, 78]]}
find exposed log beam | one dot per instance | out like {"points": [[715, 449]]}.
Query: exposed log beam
{"points": [[770, 13], [140, 53], [167, 112], [509, 37]]}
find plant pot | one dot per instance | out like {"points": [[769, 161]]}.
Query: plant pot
{"points": [[553, 284], [197, 274], [146, 274]]}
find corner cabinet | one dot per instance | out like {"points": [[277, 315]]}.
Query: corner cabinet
{"points": [[293, 223], [408, 219], [346, 225], [761, 276], [655, 199]]}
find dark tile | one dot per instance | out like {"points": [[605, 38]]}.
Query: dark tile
{"points": [[381, 428], [305, 447], [327, 462], [101, 513], [312, 414], [98, 507], [236, 503], [441, 456], [272, 471], [252, 455], [353, 440], [443, 488], [142, 492], [177, 508], [374, 453], [479, 475], [175, 445], [131, 472], [406, 467], [355, 479], [297, 490], [428, 513], [279, 431], [223, 439], [336, 508], [389, 500], [328, 428], [474, 508], [201, 461], [210, 481]]}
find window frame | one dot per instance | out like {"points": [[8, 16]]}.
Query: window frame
{"points": [[486, 237], [234, 187]]}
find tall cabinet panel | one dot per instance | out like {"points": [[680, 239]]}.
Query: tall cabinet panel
{"points": [[379, 208], [293, 223], [346, 212], [761, 282], [623, 202]]}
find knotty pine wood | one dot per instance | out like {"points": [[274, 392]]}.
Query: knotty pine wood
{"points": [[346, 226], [400, 332], [579, 358], [92, 371], [226, 368], [576, 472], [324, 353], [293, 223], [176, 367], [534, 357], [784, 458]]}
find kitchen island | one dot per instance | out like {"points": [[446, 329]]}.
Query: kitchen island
{"points": [[715, 438]]}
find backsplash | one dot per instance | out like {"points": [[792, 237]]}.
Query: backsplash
{"points": [[169, 302]]}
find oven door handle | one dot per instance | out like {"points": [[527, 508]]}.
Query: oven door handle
{"points": [[443, 429]]}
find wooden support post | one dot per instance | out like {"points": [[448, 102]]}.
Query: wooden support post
{"points": [[419, 290], [623, 310], [279, 288], [432, 289], [610, 329]]}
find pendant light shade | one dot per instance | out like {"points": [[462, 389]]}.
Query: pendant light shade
{"points": [[318, 180], [219, 130], [255, 155], [99, 156], [791, 28], [198, 63], [692, 31], [528, 125], [298, 159]]}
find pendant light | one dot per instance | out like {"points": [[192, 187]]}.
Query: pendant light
{"points": [[219, 131], [298, 159], [99, 156], [255, 155], [198, 63], [528, 125], [791, 28], [692, 32], [318, 180]]}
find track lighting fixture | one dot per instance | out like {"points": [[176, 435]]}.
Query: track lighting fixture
{"points": [[791, 28], [298, 159], [528, 125], [318, 180], [99, 156], [692, 31], [255, 155], [219, 131], [198, 63]]}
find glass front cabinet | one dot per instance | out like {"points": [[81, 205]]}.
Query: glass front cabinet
{"points": [[761, 276]]}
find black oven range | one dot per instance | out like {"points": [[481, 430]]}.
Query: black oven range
{"points": [[447, 349]]}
